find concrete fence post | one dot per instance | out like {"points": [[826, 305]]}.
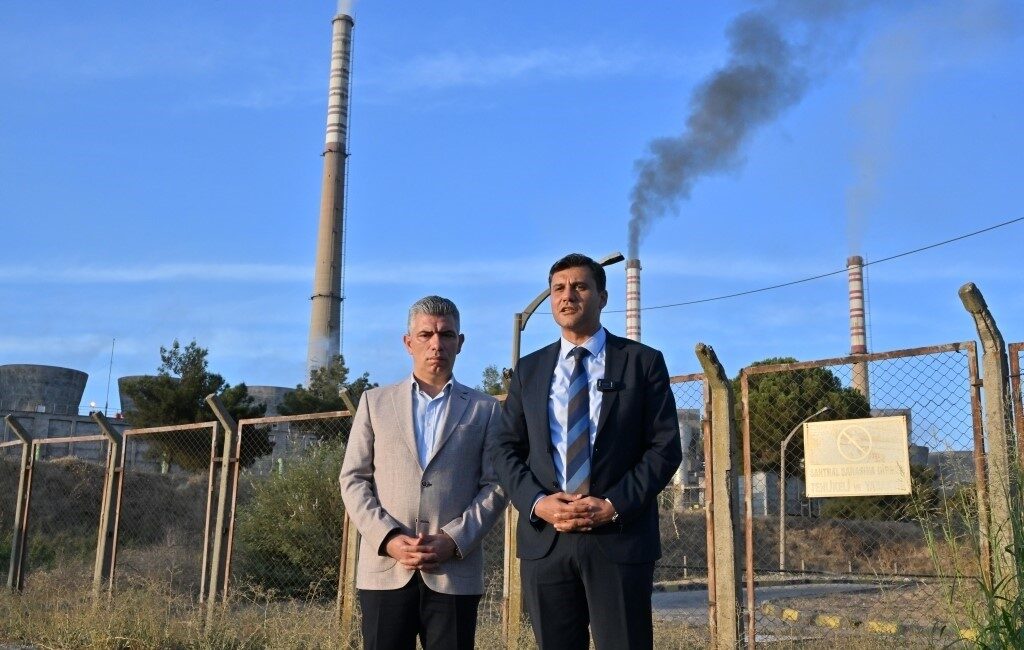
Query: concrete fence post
{"points": [[724, 515], [113, 480], [347, 579], [348, 558], [226, 458], [16, 569], [1002, 479]]}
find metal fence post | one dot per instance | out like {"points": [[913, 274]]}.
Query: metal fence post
{"points": [[16, 569], [719, 483], [113, 478], [219, 551], [998, 433]]}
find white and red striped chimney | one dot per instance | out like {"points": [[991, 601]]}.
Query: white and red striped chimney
{"points": [[858, 332], [633, 299]]}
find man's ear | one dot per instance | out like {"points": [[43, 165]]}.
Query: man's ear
{"points": [[406, 339], [604, 299], [462, 341]]}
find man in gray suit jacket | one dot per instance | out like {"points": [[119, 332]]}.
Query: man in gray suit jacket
{"points": [[418, 485]]}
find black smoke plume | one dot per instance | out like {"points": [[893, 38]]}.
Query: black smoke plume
{"points": [[765, 74]]}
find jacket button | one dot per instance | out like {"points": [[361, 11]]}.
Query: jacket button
{"points": [[425, 484], [556, 485]]}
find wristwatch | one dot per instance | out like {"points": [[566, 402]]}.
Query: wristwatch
{"points": [[615, 513]]}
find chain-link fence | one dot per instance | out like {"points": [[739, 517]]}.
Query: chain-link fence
{"points": [[681, 575], [164, 507], [825, 568], [286, 537], [64, 498], [854, 565]]}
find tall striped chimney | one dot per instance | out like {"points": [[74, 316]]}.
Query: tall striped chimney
{"points": [[325, 322], [633, 299], [858, 333]]}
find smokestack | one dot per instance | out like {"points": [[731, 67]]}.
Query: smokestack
{"points": [[325, 321], [858, 335], [633, 299]]}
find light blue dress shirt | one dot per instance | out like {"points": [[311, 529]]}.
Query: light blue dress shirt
{"points": [[558, 396], [428, 417]]}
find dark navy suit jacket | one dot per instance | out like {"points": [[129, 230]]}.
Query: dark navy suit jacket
{"points": [[635, 453]]}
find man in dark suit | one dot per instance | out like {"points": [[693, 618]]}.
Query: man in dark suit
{"points": [[588, 438]]}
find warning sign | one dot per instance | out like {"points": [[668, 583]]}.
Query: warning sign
{"points": [[857, 458]]}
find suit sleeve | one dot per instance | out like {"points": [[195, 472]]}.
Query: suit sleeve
{"points": [[469, 530], [511, 451], [660, 425], [356, 479]]}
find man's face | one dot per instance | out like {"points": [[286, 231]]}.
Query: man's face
{"points": [[575, 301], [433, 342]]}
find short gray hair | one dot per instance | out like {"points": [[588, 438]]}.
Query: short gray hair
{"points": [[434, 306]]}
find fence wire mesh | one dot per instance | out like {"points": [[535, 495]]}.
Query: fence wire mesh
{"points": [[683, 563], [163, 507], [289, 513], [63, 515], [864, 565]]}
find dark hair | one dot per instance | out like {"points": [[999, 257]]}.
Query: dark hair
{"points": [[574, 260]]}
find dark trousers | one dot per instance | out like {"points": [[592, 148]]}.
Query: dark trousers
{"points": [[576, 586], [393, 618]]}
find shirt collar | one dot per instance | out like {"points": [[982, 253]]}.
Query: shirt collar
{"points": [[594, 345], [444, 391]]}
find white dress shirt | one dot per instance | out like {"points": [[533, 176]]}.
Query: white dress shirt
{"points": [[428, 416]]}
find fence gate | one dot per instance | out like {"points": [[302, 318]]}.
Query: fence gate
{"points": [[863, 568]]}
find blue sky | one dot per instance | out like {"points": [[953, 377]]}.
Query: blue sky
{"points": [[160, 173]]}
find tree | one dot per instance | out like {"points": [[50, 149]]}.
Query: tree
{"points": [[491, 381], [323, 392], [177, 395], [779, 401]]}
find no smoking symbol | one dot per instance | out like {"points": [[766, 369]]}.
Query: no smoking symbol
{"points": [[854, 443]]}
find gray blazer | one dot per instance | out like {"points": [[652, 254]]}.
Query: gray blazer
{"points": [[385, 489]]}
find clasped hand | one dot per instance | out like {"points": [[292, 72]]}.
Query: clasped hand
{"points": [[574, 513], [423, 552]]}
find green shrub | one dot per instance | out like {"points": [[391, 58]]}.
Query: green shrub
{"points": [[288, 533]]}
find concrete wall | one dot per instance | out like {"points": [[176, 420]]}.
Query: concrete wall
{"points": [[272, 396]]}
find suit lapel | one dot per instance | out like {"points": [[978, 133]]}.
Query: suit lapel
{"points": [[458, 401], [614, 366], [401, 400], [538, 390]]}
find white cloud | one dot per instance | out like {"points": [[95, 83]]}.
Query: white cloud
{"points": [[444, 70]]}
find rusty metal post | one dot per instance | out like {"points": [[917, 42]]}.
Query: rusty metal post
{"points": [[980, 463], [1015, 351], [727, 607], [219, 551], [1002, 478], [347, 579], [748, 511], [19, 541], [113, 478]]}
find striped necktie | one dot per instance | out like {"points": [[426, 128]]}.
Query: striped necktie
{"points": [[577, 453]]}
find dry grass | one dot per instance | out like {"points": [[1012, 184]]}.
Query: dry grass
{"points": [[61, 614]]}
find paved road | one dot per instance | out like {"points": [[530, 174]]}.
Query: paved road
{"points": [[691, 607]]}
